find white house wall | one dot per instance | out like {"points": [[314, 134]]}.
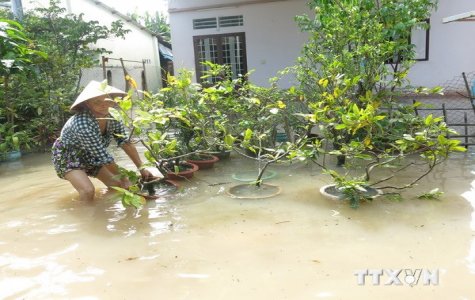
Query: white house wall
{"points": [[181, 5], [274, 41], [136, 46], [452, 46]]}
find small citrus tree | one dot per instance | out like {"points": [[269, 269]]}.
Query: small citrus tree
{"points": [[355, 62]]}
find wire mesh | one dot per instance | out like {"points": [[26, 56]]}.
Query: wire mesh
{"points": [[456, 85], [456, 106]]}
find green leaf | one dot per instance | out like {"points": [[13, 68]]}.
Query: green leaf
{"points": [[441, 139], [126, 104], [428, 120], [459, 149], [16, 142], [434, 194], [247, 134], [130, 199], [229, 140]]}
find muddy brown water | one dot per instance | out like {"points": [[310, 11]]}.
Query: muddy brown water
{"points": [[202, 244]]}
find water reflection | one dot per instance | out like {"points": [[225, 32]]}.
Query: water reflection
{"points": [[41, 276], [106, 215], [201, 244], [470, 197]]}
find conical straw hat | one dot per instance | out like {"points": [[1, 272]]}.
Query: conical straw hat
{"points": [[96, 89]]}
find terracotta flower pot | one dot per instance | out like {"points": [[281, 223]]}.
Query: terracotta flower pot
{"points": [[206, 163], [187, 173]]}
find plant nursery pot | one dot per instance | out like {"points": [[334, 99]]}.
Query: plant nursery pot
{"points": [[224, 154], [332, 193], [250, 191], [11, 156], [191, 168], [158, 188], [206, 163], [252, 176]]}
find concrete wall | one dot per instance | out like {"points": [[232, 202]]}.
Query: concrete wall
{"points": [[452, 46], [274, 41], [137, 45]]}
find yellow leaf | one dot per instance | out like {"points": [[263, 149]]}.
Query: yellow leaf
{"points": [[131, 81], [281, 104], [367, 141], [323, 82]]}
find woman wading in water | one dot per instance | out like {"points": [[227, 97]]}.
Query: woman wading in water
{"points": [[81, 149]]}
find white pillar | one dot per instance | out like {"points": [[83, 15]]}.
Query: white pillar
{"points": [[17, 9]]}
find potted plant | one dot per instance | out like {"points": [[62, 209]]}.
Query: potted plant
{"points": [[363, 57], [259, 112], [12, 142], [201, 130], [152, 125], [140, 190], [221, 94]]}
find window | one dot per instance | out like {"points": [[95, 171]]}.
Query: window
{"points": [[231, 21], [229, 49], [420, 39], [226, 21], [204, 23]]}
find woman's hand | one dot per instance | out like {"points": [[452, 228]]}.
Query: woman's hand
{"points": [[146, 174], [125, 183]]}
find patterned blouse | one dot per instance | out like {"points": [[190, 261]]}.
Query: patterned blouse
{"points": [[82, 131]]}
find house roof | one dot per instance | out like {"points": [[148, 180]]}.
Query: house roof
{"points": [[466, 16], [231, 3], [132, 21]]}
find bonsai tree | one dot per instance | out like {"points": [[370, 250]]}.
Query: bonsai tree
{"points": [[196, 130], [259, 113], [150, 123], [355, 62], [206, 114], [220, 96], [249, 117]]}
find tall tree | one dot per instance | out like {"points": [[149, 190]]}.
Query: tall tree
{"points": [[43, 96], [157, 23]]}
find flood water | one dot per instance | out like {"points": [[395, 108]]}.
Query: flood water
{"points": [[202, 244]]}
